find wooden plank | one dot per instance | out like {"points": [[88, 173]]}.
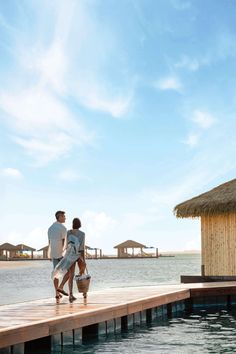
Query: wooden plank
{"points": [[102, 306], [204, 279]]}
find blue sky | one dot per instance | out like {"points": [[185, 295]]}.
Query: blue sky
{"points": [[114, 111]]}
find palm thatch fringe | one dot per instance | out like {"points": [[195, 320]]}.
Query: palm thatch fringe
{"points": [[130, 244], [219, 200]]}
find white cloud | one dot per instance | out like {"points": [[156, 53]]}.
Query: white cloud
{"points": [[68, 175], [192, 140], [54, 68], [51, 65], [36, 110], [169, 83], [11, 172], [189, 63], [44, 150], [222, 46], [97, 96], [203, 119], [45, 127], [97, 224], [36, 238]]}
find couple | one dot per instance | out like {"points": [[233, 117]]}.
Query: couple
{"points": [[65, 249]]}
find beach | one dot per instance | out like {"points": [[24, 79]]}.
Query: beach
{"points": [[17, 264]]}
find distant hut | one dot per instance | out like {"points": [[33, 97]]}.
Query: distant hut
{"points": [[217, 210], [87, 254], [7, 251], [45, 251], [96, 255], [21, 248], [123, 249]]}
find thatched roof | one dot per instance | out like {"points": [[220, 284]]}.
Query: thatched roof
{"points": [[45, 248], [130, 244], [219, 200], [86, 247], [22, 247], [8, 247]]}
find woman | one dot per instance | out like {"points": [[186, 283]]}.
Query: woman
{"points": [[75, 252]]}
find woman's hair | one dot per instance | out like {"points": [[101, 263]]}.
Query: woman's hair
{"points": [[76, 224]]}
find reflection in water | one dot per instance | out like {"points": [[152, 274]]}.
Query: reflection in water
{"points": [[196, 334]]}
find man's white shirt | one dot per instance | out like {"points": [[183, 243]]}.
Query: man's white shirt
{"points": [[57, 237]]}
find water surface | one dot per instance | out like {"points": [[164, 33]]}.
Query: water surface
{"points": [[33, 282]]}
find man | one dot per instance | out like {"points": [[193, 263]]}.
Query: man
{"points": [[57, 238]]}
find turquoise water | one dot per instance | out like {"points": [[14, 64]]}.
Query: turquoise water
{"points": [[202, 332], [197, 333], [34, 282]]}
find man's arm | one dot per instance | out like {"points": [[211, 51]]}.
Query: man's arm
{"points": [[49, 250], [64, 240]]}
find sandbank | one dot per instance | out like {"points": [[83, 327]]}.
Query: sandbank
{"points": [[17, 264]]}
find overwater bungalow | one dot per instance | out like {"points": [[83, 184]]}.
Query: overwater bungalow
{"points": [[128, 249], [217, 211], [45, 252], [23, 249], [7, 251], [97, 252]]}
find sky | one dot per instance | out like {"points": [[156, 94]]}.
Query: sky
{"points": [[114, 111]]}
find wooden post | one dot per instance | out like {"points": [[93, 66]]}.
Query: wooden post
{"points": [[169, 310], [43, 343], [90, 333], [188, 305], [157, 255], [203, 270], [149, 316], [124, 323]]}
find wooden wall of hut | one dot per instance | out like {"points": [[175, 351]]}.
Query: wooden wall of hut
{"points": [[219, 244]]}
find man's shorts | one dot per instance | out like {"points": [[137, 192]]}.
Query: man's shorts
{"points": [[55, 262]]}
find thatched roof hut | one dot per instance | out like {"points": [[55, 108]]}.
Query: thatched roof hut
{"points": [[87, 255], [130, 244], [45, 251], [22, 247], [7, 247], [7, 250], [219, 200], [122, 248], [45, 248], [217, 210]]}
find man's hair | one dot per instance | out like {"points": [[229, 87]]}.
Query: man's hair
{"points": [[76, 224], [58, 213]]}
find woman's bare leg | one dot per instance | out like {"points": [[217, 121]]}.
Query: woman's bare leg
{"points": [[82, 266], [71, 278], [64, 280]]}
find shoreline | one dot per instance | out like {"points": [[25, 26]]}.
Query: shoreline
{"points": [[9, 264], [15, 264]]}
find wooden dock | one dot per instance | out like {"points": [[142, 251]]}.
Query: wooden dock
{"points": [[25, 323]]}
